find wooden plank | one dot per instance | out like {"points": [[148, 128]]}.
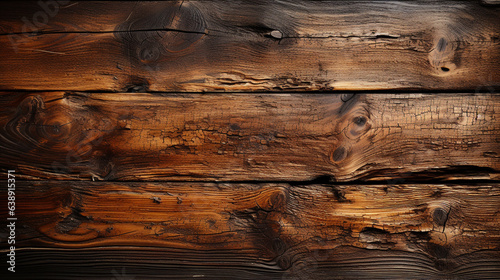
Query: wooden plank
{"points": [[256, 231], [250, 46], [491, 2], [141, 136]]}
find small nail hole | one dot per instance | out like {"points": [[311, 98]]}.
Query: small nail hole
{"points": [[445, 69]]}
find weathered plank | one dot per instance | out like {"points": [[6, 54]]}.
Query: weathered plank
{"points": [[257, 231], [227, 45], [141, 136]]}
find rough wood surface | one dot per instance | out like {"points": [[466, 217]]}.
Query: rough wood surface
{"points": [[257, 231], [125, 170], [230, 45], [141, 136]]}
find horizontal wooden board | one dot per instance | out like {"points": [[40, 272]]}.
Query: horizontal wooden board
{"points": [[227, 45], [141, 136], [67, 230]]}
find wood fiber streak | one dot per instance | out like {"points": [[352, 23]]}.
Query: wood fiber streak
{"points": [[140, 136], [257, 231], [230, 45]]}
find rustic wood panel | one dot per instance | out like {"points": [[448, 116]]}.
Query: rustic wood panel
{"points": [[141, 136], [230, 45], [257, 231], [347, 185]]}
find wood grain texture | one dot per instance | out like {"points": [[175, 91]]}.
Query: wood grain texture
{"points": [[250, 46], [257, 231], [126, 170], [141, 136]]}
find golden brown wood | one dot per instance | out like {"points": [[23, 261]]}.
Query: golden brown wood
{"points": [[250, 46], [141, 136], [259, 231]]}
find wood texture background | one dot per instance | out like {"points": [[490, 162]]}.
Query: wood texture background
{"points": [[140, 136], [265, 231], [229, 45], [252, 139]]}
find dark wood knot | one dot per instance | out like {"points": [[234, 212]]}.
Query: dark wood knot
{"points": [[358, 127], [339, 154], [443, 56], [36, 125], [360, 121], [346, 96], [278, 246], [153, 37], [441, 45], [273, 200], [55, 131], [440, 216]]}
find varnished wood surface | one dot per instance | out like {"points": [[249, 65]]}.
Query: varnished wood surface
{"points": [[257, 231], [246, 137], [228, 45], [126, 169]]}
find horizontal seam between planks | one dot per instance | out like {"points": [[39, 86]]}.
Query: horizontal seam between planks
{"points": [[496, 91]]}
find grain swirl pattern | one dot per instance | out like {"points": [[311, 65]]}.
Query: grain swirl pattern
{"points": [[265, 231], [223, 45], [257, 137]]}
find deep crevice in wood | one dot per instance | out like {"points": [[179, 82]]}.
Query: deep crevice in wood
{"points": [[41, 33]]}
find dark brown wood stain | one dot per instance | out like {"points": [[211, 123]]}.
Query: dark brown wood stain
{"points": [[252, 139]]}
